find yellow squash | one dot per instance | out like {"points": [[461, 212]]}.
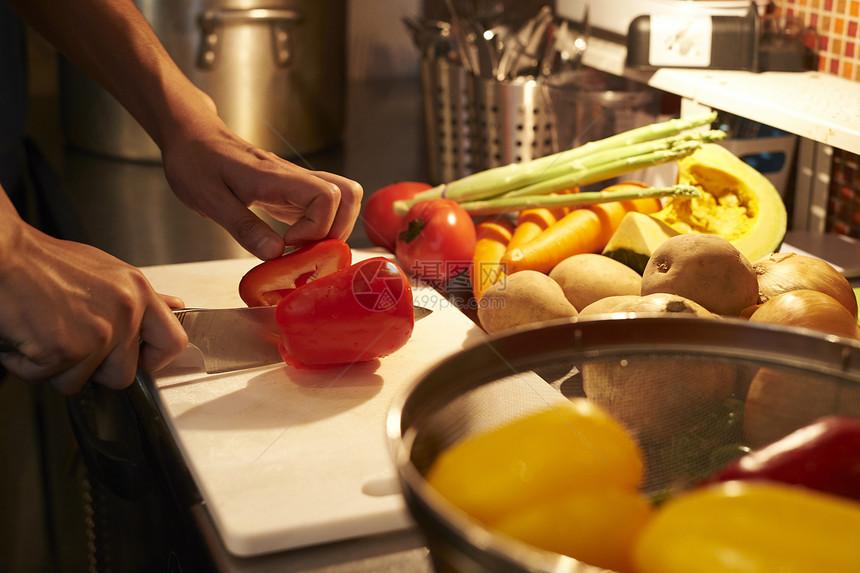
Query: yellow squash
{"points": [[738, 203]]}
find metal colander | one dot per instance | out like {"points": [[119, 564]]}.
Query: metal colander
{"points": [[688, 389]]}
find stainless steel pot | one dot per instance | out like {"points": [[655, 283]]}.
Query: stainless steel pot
{"points": [[275, 69]]}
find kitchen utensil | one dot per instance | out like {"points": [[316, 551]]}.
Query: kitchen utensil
{"points": [[232, 339], [526, 57], [587, 105], [237, 338], [667, 367], [509, 121], [446, 116], [286, 457]]}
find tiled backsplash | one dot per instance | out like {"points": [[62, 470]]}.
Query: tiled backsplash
{"points": [[836, 24]]}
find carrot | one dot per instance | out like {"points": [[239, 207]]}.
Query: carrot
{"points": [[531, 222], [585, 230], [493, 235]]}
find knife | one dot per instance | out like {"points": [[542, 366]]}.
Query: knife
{"points": [[232, 338]]}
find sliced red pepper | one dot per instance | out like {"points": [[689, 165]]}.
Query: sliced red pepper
{"points": [[356, 314], [824, 456], [270, 281]]}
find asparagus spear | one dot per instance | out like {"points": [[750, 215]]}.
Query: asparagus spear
{"points": [[588, 163], [517, 203]]}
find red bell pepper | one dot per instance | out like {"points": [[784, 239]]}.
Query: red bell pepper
{"points": [[824, 456], [356, 314], [267, 283]]}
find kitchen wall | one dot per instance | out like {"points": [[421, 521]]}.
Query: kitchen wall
{"points": [[836, 24], [379, 45]]}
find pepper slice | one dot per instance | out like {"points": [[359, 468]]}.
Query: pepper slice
{"points": [[824, 455], [356, 314], [270, 281]]}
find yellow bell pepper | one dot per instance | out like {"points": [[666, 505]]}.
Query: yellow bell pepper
{"points": [[569, 447], [751, 527], [597, 527]]}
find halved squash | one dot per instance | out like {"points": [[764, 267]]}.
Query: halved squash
{"points": [[738, 203], [636, 238]]}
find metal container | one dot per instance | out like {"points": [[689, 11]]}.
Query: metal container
{"points": [[511, 122], [276, 71], [657, 359], [446, 119]]}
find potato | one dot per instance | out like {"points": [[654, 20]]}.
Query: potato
{"points": [[654, 397], [589, 277], [661, 302], [706, 269], [524, 297], [606, 304]]}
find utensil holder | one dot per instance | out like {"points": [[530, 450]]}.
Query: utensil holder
{"points": [[511, 121], [446, 119]]}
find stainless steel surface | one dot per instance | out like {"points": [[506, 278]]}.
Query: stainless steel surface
{"points": [[841, 251], [276, 71], [506, 376], [232, 338], [511, 122], [446, 116]]}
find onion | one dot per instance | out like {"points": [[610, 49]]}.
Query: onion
{"points": [[783, 272], [808, 309], [665, 303]]}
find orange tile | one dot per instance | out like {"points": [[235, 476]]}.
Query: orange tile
{"points": [[839, 26], [854, 8]]}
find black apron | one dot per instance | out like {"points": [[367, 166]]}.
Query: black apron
{"points": [[13, 104]]}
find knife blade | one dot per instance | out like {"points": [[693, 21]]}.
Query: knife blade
{"points": [[232, 339]]}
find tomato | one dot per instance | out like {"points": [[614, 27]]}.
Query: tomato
{"points": [[436, 240], [380, 222], [267, 283], [356, 314]]}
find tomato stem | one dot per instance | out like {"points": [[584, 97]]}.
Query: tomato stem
{"points": [[412, 230]]}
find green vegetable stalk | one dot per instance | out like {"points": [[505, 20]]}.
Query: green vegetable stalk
{"points": [[589, 163]]}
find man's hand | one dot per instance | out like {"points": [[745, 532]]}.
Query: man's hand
{"points": [[75, 313], [220, 176]]}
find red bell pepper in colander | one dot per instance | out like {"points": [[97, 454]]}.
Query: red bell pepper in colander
{"points": [[824, 455]]}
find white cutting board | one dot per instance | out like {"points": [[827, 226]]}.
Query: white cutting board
{"points": [[287, 458]]}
